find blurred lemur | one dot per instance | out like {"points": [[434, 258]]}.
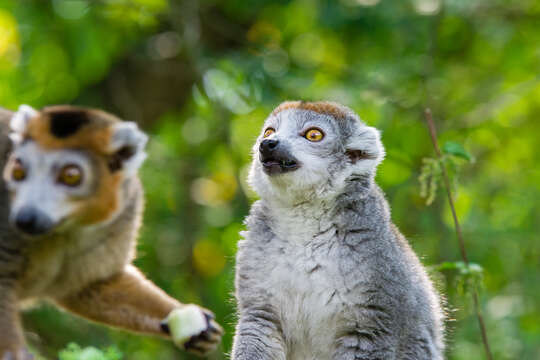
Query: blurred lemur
{"points": [[69, 232], [322, 273]]}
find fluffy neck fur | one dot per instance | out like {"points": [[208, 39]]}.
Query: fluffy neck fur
{"points": [[307, 217]]}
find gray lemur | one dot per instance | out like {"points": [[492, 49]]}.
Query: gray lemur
{"points": [[322, 273], [71, 210]]}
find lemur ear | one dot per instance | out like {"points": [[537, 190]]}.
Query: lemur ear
{"points": [[127, 147], [365, 149], [19, 121]]}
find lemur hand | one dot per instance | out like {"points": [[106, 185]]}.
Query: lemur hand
{"points": [[193, 328]]}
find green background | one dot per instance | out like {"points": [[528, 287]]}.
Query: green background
{"points": [[201, 76]]}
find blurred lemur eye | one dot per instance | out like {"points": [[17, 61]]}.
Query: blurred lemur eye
{"points": [[269, 132], [70, 175], [18, 172], [314, 135]]}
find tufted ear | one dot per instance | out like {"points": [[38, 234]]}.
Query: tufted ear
{"points": [[365, 149], [127, 147], [19, 121]]}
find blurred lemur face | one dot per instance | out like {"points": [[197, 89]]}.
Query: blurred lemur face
{"points": [[47, 186], [68, 168], [305, 153]]}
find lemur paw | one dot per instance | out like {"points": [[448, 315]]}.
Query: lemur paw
{"points": [[16, 354], [193, 329]]}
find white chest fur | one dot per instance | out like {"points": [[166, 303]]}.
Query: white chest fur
{"points": [[301, 274]]}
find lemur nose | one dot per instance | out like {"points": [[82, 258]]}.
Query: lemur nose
{"points": [[268, 145], [32, 221]]}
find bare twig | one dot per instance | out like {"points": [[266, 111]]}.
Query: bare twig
{"points": [[446, 179]]}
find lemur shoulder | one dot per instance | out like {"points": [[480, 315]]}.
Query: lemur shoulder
{"points": [[322, 272], [71, 210]]}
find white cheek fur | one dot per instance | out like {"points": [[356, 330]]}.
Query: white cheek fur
{"points": [[46, 198], [40, 188]]}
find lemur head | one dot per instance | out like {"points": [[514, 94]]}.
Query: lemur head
{"points": [[68, 167], [311, 149]]}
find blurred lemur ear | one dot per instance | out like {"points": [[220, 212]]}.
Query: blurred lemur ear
{"points": [[365, 149], [19, 122], [127, 148]]}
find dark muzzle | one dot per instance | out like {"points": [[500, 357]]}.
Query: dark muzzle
{"points": [[275, 158], [31, 221]]}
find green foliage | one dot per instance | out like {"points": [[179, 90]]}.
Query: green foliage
{"points": [[201, 76], [430, 177], [75, 352], [462, 277], [431, 173], [457, 150]]}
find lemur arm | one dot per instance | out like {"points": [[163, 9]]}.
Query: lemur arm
{"points": [[131, 302], [368, 335], [362, 346], [372, 339], [11, 339], [258, 336], [127, 300]]}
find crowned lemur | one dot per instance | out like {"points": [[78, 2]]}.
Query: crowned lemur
{"points": [[71, 207], [322, 273]]}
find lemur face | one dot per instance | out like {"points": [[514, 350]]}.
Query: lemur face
{"points": [[311, 149], [68, 166], [47, 185]]}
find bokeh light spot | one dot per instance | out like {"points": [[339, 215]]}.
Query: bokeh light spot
{"points": [[427, 7], [164, 46], [276, 62], [71, 9], [214, 191], [9, 39], [308, 50], [195, 130], [365, 3], [208, 258]]}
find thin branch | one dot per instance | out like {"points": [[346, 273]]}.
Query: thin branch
{"points": [[446, 179], [433, 133]]}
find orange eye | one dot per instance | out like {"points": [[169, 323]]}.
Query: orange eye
{"points": [[314, 135], [268, 132], [18, 172], [70, 175]]}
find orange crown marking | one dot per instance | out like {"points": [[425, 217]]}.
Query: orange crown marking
{"points": [[70, 127], [322, 107], [94, 134]]}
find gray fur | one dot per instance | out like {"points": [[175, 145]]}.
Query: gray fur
{"points": [[322, 273]]}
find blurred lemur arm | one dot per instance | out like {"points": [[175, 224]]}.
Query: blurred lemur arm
{"points": [[127, 300], [11, 339], [131, 302], [258, 336]]}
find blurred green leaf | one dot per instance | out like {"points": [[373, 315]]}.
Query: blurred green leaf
{"points": [[456, 149], [75, 352], [472, 269]]}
